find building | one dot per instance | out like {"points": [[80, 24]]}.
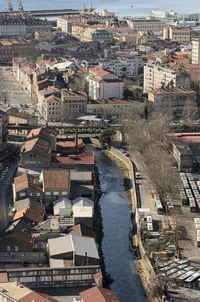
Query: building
{"points": [[129, 66], [195, 51], [10, 48], [177, 34], [72, 250], [36, 151], [162, 14], [51, 185], [104, 85], [21, 25], [96, 34], [70, 147], [130, 38], [185, 148], [74, 103], [98, 294], [83, 211], [153, 25], [17, 292], [62, 207], [44, 35], [172, 98], [55, 183], [22, 118], [157, 75], [111, 107], [65, 23]]}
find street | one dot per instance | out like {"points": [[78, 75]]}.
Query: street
{"points": [[10, 90], [6, 194]]}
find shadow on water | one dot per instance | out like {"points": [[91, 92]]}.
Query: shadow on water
{"points": [[119, 257]]}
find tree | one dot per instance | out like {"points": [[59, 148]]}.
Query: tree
{"points": [[105, 137]]}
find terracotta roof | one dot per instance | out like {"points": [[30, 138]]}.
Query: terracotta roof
{"points": [[71, 144], [99, 72], [56, 179], [37, 144], [44, 132], [186, 138], [70, 93], [98, 294], [21, 182], [53, 98], [30, 213], [178, 90], [3, 277], [86, 158], [26, 181], [36, 297]]}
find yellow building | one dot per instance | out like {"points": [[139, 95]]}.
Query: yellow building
{"points": [[178, 34]]}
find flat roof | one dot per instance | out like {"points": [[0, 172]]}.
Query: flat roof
{"points": [[15, 291]]}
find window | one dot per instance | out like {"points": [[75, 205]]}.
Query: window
{"points": [[47, 193], [55, 193], [8, 248], [16, 248], [22, 194]]}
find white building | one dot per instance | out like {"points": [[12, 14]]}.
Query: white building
{"points": [[104, 85], [62, 207], [162, 13], [83, 207], [196, 51], [157, 76], [123, 67]]}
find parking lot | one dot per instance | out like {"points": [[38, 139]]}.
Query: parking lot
{"points": [[10, 90], [147, 199]]}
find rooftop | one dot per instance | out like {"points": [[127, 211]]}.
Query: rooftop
{"points": [[56, 179], [99, 294]]}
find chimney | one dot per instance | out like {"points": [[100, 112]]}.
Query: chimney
{"points": [[86, 259]]}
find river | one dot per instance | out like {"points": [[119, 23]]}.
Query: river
{"points": [[121, 8], [119, 259]]}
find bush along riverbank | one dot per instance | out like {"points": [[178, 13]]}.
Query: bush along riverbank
{"points": [[98, 226]]}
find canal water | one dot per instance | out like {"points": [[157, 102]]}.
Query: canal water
{"points": [[119, 259]]}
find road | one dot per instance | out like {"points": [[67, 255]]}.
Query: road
{"points": [[6, 194], [10, 90]]}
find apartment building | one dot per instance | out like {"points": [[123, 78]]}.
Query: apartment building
{"points": [[10, 48], [195, 51], [96, 34], [176, 34], [124, 67], [153, 25], [111, 107], [157, 76], [21, 25], [74, 103], [104, 85], [173, 98]]}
